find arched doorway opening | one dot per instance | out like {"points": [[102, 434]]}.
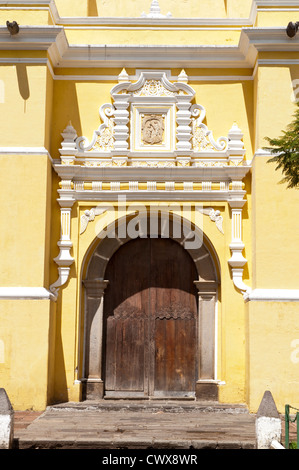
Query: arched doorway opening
{"points": [[150, 321]]}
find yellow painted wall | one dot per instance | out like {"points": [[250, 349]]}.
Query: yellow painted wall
{"points": [[167, 36], [25, 16], [273, 341], [27, 328], [134, 8], [25, 229], [23, 104], [276, 228], [41, 348], [27, 349]]}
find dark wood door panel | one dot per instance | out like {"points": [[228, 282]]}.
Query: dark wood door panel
{"points": [[126, 319], [150, 313], [173, 305]]}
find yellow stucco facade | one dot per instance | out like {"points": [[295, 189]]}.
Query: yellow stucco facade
{"points": [[221, 76]]}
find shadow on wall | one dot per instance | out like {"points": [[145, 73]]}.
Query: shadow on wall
{"points": [[92, 9], [59, 392], [23, 82], [65, 109], [225, 6]]}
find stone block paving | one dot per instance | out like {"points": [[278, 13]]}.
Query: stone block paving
{"points": [[118, 425]]}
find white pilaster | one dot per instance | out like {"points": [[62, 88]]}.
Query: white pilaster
{"points": [[64, 260], [237, 260]]}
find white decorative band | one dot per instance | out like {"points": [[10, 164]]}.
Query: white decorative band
{"points": [[27, 293], [24, 150], [273, 295]]}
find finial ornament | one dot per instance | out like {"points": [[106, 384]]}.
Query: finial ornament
{"points": [[123, 76], [155, 11], [183, 77]]}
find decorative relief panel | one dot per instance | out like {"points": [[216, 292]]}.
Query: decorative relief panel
{"points": [[152, 128], [152, 123], [153, 88], [152, 131]]}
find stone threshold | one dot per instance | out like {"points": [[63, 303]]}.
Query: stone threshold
{"points": [[152, 405]]}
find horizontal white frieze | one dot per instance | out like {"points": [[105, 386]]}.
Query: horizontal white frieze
{"points": [[152, 194], [273, 295], [26, 293]]}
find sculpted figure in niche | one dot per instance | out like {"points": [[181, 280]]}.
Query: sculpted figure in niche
{"points": [[152, 129]]}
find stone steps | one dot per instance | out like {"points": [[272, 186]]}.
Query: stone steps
{"points": [[140, 425]]}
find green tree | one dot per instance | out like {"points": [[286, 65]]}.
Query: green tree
{"points": [[285, 151]]}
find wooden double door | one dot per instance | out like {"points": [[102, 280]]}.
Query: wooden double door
{"points": [[150, 321]]}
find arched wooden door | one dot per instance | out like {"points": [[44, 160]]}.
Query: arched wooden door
{"points": [[150, 321]]}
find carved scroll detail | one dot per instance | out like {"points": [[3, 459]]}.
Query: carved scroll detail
{"points": [[174, 311], [123, 312], [203, 137]]}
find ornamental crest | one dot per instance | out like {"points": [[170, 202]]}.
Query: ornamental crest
{"points": [[152, 122], [153, 88]]}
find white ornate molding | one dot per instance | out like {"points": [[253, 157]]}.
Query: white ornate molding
{"points": [[272, 295], [237, 260], [215, 216], [155, 11], [127, 136], [64, 260], [103, 138], [202, 137], [26, 293], [89, 215], [53, 39]]}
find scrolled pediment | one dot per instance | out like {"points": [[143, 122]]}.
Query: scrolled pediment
{"points": [[152, 122]]}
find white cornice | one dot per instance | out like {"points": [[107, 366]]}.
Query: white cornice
{"points": [[26, 293], [37, 38], [25, 151], [273, 295], [62, 54], [269, 39], [153, 56], [30, 37], [156, 196], [81, 173]]}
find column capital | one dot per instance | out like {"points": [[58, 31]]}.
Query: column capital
{"points": [[206, 288], [237, 203], [95, 287]]}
